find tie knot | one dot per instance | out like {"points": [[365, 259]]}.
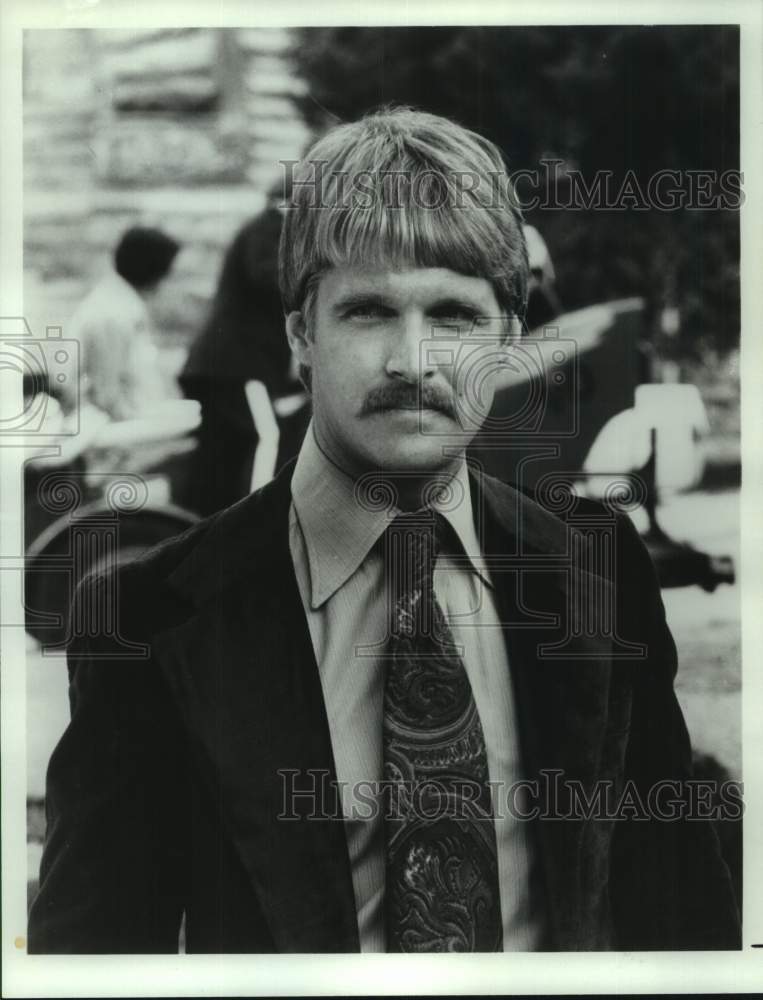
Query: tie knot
{"points": [[412, 542]]}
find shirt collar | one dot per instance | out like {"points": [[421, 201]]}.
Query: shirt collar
{"points": [[339, 532]]}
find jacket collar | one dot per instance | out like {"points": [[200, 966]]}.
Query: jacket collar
{"points": [[239, 538], [340, 527]]}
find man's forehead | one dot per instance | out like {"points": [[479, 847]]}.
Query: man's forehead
{"points": [[405, 283]]}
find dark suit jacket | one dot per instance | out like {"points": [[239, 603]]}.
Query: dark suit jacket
{"points": [[164, 792]]}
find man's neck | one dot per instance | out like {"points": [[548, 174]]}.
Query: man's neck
{"points": [[417, 491], [412, 490]]}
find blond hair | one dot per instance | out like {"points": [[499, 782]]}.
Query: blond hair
{"points": [[402, 188]]}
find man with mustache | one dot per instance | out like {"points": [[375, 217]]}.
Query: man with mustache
{"points": [[361, 711]]}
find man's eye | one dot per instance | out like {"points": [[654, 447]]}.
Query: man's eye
{"points": [[465, 319], [366, 312], [454, 312]]}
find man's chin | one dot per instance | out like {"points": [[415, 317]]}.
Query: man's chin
{"points": [[418, 453]]}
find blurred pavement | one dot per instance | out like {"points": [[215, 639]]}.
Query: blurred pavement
{"points": [[707, 627]]}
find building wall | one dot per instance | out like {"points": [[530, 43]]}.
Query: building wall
{"points": [[181, 128]]}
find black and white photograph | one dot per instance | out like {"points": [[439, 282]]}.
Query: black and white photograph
{"points": [[380, 467]]}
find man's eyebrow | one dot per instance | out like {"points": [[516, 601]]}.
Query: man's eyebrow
{"points": [[456, 302], [439, 304], [360, 299]]}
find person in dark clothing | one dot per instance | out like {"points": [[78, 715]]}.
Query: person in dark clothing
{"points": [[241, 342]]}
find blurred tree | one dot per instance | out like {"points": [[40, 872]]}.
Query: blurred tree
{"points": [[629, 100]]}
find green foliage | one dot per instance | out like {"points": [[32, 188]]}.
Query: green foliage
{"points": [[601, 98]]}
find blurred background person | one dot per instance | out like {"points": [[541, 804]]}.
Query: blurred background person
{"points": [[126, 417], [542, 301], [120, 369], [254, 410]]}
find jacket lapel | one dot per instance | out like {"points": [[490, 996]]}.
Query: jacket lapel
{"points": [[560, 660], [244, 674]]}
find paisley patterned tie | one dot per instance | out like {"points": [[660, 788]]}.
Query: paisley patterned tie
{"points": [[442, 874]]}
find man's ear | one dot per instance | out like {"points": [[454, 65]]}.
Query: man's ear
{"points": [[299, 338]]}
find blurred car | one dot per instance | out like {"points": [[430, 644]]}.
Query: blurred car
{"points": [[577, 408]]}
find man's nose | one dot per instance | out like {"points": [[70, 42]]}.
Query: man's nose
{"points": [[409, 357]]}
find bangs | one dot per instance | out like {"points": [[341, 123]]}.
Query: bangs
{"points": [[403, 190], [436, 225]]}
